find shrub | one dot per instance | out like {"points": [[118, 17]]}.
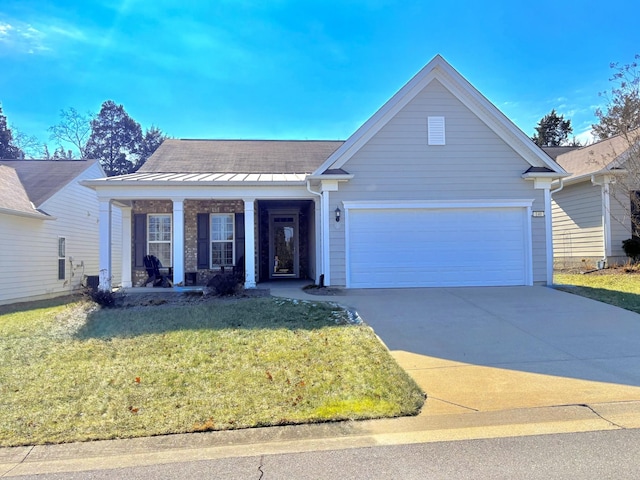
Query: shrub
{"points": [[104, 298], [631, 248], [225, 284]]}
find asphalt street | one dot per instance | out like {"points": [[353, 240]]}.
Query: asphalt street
{"points": [[584, 456]]}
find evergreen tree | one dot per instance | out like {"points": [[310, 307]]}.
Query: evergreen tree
{"points": [[115, 140], [7, 149], [552, 130]]}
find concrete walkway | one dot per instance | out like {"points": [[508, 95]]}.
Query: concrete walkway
{"points": [[494, 362]]}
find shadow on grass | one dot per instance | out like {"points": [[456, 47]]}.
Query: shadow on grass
{"points": [[628, 301], [247, 314]]}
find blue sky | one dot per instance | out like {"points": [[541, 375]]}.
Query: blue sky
{"points": [[288, 69]]}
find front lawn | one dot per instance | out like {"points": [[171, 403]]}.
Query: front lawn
{"points": [[616, 288], [70, 374]]}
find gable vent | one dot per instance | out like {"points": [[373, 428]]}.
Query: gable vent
{"points": [[435, 127]]}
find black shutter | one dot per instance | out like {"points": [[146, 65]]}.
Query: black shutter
{"points": [[139, 239], [203, 241], [239, 236]]}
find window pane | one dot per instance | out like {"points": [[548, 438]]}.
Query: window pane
{"points": [[159, 228], [221, 228], [61, 247], [162, 251], [222, 253]]}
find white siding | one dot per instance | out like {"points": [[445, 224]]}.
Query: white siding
{"points": [[398, 164], [577, 222], [29, 247], [620, 223]]}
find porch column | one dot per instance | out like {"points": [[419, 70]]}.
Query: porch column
{"points": [[178, 241], [249, 243], [126, 247], [104, 223], [326, 259]]}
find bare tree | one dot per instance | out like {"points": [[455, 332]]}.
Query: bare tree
{"points": [[619, 125], [74, 128], [29, 145]]}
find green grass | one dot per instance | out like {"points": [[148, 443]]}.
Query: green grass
{"points": [[69, 374], [619, 289]]}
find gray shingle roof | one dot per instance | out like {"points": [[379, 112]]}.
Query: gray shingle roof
{"points": [[554, 152], [43, 178], [239, 156], [12, 193]]}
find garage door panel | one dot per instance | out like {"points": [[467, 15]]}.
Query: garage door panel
{"points": [[437, 247]]}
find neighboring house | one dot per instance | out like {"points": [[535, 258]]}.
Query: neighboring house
{"points": [[48, 228], [437, 188], [591, 208]]}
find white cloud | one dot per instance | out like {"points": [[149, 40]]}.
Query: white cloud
{"points": [[19, 37]]}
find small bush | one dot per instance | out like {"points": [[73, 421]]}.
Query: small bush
{"points": [[631, 248], [104, 298], [225, 284]]}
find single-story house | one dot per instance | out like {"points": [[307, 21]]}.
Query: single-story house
{"points": [[592, 208], [437, 188], [49, 238]]}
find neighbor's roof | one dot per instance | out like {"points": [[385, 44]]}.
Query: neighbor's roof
{"points": [[239, 156], [604, 155], [41, 179], [555, 152], [13, 197]]}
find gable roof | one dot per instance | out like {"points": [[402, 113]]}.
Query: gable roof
{"points": [[555, 152], [239, 156], [439, 69], [13, 197], [602, 156], [41, 179]]}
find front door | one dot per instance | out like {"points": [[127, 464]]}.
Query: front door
{"points": [[283, 245]]}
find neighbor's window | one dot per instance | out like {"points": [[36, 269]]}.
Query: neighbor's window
{"points": [[222, 241], [62, 254], [159, 237], [635, 212]]}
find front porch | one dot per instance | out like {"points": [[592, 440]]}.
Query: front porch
{"points": [[196, 239]]}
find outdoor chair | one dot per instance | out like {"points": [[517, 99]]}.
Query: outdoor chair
{"points": [[153, 266]]}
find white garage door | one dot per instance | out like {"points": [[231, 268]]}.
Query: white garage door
{"points": [[432, 247]]}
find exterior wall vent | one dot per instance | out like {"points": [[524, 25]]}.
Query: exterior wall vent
{"points": [[436, 133]]}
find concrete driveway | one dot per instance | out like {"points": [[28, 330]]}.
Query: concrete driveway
{"points": [[503, 348]]}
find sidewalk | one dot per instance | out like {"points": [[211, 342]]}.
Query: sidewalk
{"points": [[466, 399]]}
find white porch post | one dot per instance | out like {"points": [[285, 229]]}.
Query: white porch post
{"points": [[126, 247], [178, 241], [249, 243], [104, 229], [326, 261]]}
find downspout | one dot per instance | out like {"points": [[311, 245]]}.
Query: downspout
{"points": [[606, 223], [548, 194], [320, 275]]}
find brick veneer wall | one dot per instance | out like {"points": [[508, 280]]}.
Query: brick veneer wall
{"points": [[191, 210]]}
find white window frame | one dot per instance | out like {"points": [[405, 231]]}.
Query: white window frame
{"points": [[62, 256], [170, 242], [232, 241]]}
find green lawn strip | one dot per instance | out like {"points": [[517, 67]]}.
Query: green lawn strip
{"points": [[621, 290], [157, 370]]}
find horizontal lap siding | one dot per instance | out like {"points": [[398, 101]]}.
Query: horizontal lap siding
{"points": [[30, 247], [397, 164], [620, 221], [577, 221]]}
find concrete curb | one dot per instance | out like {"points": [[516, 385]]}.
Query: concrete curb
{"points": [[110, 454]]}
